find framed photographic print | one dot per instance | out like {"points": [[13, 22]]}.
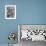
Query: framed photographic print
{"points": [[10, 11]]}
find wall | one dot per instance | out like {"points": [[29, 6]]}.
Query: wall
{"points": [[27, 12]]}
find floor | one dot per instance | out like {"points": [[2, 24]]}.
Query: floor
{"points": [[7, 45], [30, 43]]}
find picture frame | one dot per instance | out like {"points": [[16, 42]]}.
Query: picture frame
{"points": [[10, 11]]}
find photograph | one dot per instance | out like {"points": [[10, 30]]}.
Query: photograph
{"points": [[10, 11]]}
